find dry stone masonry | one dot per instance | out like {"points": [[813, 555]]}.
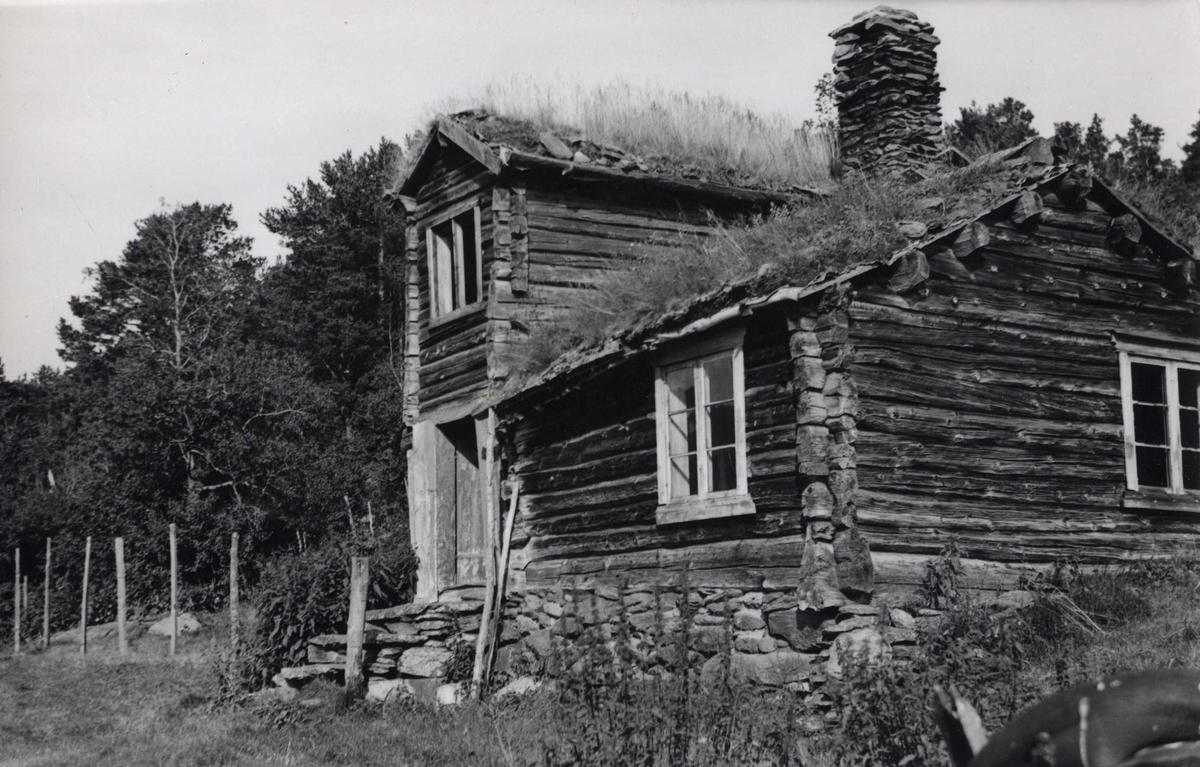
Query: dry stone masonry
{"points": [[768, 636], [889, 96]]}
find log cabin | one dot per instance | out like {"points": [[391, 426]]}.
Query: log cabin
{"points": [[1021, 377]]}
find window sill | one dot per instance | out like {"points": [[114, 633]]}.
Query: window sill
{"points": [[1150, 500], [697, 509], [459, 313]]}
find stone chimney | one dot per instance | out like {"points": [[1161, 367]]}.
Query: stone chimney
{"points": [[889, 98]]}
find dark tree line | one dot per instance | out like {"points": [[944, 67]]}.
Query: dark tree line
{"points": [[208, 389]]}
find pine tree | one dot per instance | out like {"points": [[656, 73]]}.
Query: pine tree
{"points": [[1095, 144], [1139, 152], [1190, 169], [980, 130], [1070, 135]]}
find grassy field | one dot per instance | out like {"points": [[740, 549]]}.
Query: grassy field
{"points": [[60, 708], [102, 710]]}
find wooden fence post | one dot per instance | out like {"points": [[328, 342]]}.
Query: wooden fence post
{"points": [[233, 593], [174, 593], [359, 570], [83, 609], [122, 639], [46, 601], [17, 602]]}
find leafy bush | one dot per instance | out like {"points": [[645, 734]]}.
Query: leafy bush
{"points": [[302, 595]]}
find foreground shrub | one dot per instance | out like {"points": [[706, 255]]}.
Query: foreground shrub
{"points": [[302, 595], [1080, 624]]}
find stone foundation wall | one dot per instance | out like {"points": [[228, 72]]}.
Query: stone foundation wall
{"points": [[769, 637]]}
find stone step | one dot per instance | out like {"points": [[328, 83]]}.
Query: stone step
{"points": [[298, 676]]}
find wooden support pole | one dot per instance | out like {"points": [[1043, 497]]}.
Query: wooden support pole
{"points": [[25, 597], [122, 638], [355, 622], [83, 608], [46, 601], [17, 602], [174, 593], [233, 592], [502, 579]]}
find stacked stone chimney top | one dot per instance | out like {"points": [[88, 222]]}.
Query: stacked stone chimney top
{"points": [[889, 96]]}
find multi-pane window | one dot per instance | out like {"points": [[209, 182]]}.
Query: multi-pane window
{"points": [[702, 446], [1162, 423], [455, 269]]}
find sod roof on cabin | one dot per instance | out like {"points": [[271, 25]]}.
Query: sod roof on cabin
{"points": [[565, 144], [853, 230]]}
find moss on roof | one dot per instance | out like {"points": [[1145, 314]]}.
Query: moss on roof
{"points": [[865, 220]]}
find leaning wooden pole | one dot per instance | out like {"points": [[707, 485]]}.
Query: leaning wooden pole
{"points": [[83, 607], [122, 638], [355, 623], [17, 602], [46, 601], [489, 591], [502, 578], [233, 592], [174, 593]]}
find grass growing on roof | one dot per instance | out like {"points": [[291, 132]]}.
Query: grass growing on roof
{"points": [[712, 133], [855, 223]]}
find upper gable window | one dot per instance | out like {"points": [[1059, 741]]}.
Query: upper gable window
{"points": [[455, 263], [1160, 392], [701, 420]]}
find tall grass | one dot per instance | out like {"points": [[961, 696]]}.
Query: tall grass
{"points": [[855, 223], [713, 133]]}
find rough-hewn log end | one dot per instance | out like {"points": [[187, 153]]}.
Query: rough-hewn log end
{"points": [[973, 236], [1027, 209], [908, 272], [1123, 235]]}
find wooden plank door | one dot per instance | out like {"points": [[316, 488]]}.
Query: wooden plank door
{"points": [[471, 533], [446, 479], [461, 524]]}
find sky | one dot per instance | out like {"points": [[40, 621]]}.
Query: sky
{"points": [[109, 110]]}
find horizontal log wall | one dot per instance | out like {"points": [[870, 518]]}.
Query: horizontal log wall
{"points": [[558, 240], [990, 406], [587, 465], [453, 352]]}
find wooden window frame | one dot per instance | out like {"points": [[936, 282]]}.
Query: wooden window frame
{"points": [[705, 504], [1175, 498], [456, 263]]}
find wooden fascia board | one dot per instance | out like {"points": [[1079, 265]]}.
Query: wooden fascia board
{"points": [[469, 144], [1160, 239], [525, 161], [416, 176]]}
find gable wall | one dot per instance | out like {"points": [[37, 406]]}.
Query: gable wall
{"points": [[453, 353], [990, 406], [564, 238]]}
